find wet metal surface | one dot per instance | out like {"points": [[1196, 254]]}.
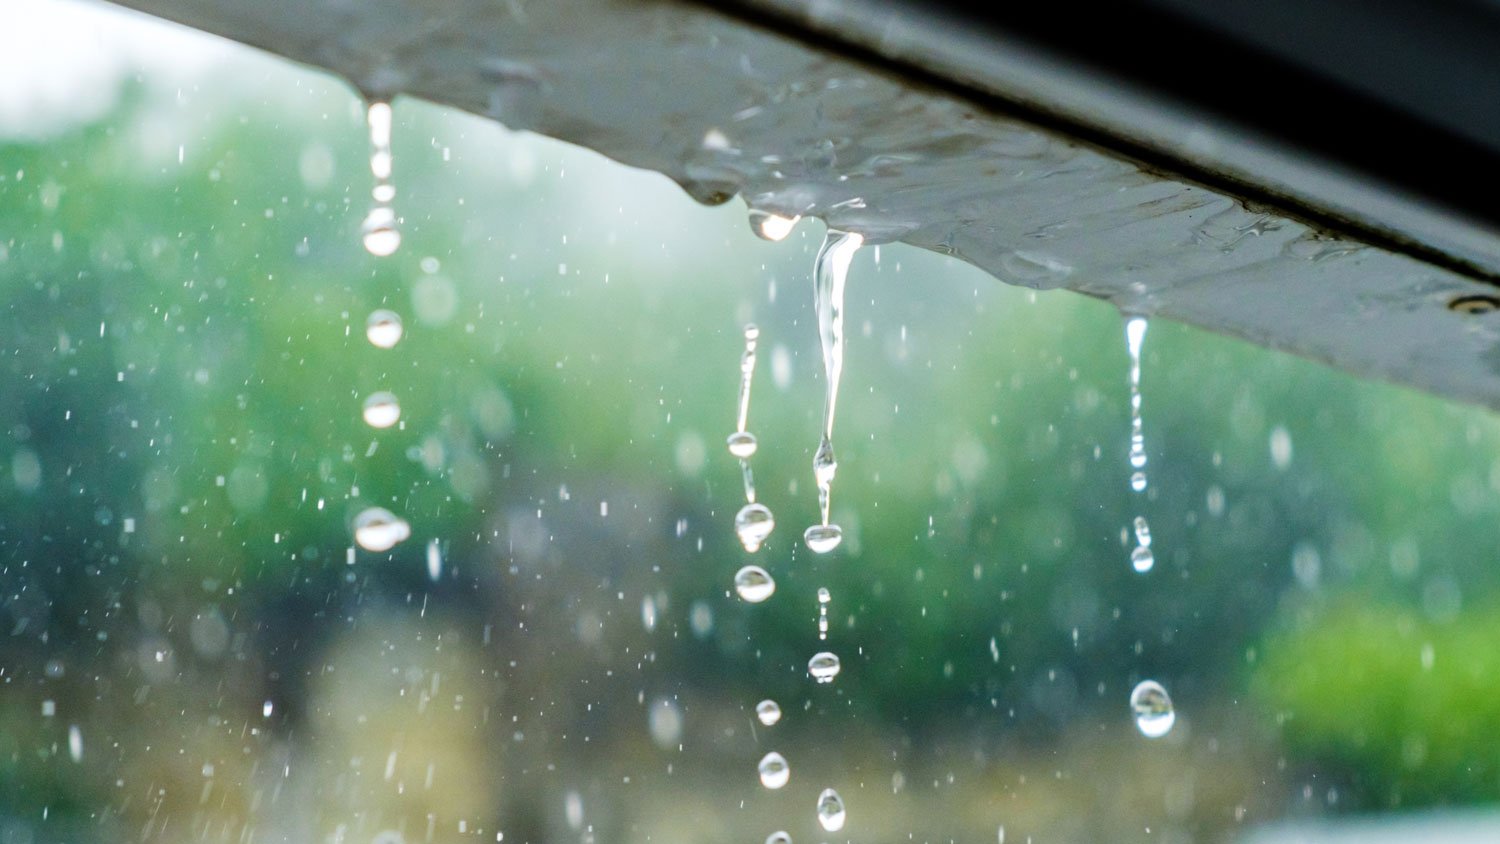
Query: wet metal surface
{"points": [[724, 108]]}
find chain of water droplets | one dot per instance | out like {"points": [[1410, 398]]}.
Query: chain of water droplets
{"points": [[1141, 557]]}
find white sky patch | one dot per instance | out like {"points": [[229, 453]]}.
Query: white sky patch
{"points": [[62, 61]]}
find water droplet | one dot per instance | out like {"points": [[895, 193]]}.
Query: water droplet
{"points": [[831, 815], [772, 227], [1138, 481], [1153, 709], [383, 328], [823, 666], [778, 837], [1141, 559], [434, 560], [823, 538], [381, 410], [742, 444], [75, 743], [378, 529], [754, 584], [266, 709], [752, 524], [381, 237], [664, 721], [768, 711], [774, 771]]}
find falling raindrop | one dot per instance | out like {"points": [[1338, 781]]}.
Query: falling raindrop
{"points": [[1141, 558], [772, 227], [742, 444], [1153, 709], [75, 743], [381, 410], [778, 837], [381, 236], [752, 524], [823, 538], [831, 815], [774, 771], [434, 560], [768, 711], [830, 271], [754, 584], [383, 328], [378, 529], [266, 709], [823, 666]]}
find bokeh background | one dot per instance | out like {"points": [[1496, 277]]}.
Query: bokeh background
{"points": [[188, 654]]}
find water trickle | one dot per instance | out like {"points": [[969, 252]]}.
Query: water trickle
{"points": [[823, 666], [830, 271], [823, 598], [383, 328], [831, 815], [1153, 709], [768, 711], [378, 529], [1141, 557], [434, 560], [774, 771], [779, 837], [381, 410], [772, 227], [752, 524], [381, 237], [754, 584]]}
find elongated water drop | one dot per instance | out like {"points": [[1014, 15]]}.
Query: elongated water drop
{"points": [[1152, 708], [772, 227], [378, 529], [754, 584], [774, 771], [1141, 557], [434, 560], [823, 598], [381, 410], [830, 272], [381, 237], [383, 328], [779, 837], [831, 815], [768, 711], [747, 373], [824, 666], [75, 743], [752, 524]]}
